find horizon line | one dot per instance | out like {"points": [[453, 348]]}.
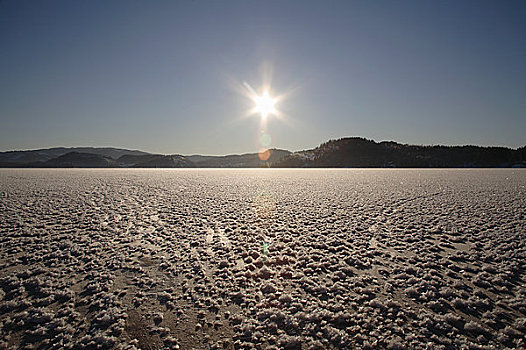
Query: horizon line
{"points": [[275, 148]]}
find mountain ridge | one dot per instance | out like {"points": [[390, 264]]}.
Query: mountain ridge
{"points": [[347, 152], [44, 154], [359, 152]]}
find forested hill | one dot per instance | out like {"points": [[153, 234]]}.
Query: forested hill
{"points": [[351, 152], [359, 152]]}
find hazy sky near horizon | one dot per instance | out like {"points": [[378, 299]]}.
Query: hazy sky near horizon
{"points": [[159, 75]]}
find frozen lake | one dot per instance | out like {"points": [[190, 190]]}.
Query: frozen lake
{"points": [[263, 258]]}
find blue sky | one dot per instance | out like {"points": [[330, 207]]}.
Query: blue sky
{"points": [[160, 75]]}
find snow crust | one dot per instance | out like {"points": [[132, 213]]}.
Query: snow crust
{"points": [[264, 259]]}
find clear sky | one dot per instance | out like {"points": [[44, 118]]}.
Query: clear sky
{"points": [[160, 75]]}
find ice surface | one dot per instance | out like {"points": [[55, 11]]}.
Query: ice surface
{"points": [[271, 259]]}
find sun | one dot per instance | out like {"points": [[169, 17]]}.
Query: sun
{"points": [[265, 105]]}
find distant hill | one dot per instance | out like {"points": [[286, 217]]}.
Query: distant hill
{"points": [[154, 161], [43, 155], [79, 160], [92, 157], [248, 160], [351, 152], [357, 152]]}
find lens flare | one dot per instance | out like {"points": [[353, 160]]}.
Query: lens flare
{"points": [[265, 139], [265, 248], [264, 154]]}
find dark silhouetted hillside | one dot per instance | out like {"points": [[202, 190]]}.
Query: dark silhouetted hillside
{"points": [[79, 160], [42, 155], [154, 161], [248, 160], [356, 152], [352, 152]]}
